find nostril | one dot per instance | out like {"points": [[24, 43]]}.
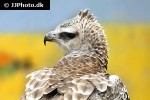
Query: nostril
{"points": [[53, 35]]}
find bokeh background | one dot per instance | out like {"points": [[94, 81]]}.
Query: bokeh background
{"points": [[126, 24]]}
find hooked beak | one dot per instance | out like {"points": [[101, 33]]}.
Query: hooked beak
{"points": [[48, 37]]}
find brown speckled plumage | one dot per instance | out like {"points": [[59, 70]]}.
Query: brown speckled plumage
{"points": [[81, 73]]}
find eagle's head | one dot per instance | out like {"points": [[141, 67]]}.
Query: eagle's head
{"points": [[80, 34]]}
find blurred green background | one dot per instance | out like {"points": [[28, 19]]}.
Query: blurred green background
{"points": [[126, 24]]}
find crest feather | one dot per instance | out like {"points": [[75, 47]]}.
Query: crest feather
{"points": [[86, 14]]}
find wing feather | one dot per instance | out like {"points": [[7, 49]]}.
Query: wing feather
{"points": [[99, 86]]}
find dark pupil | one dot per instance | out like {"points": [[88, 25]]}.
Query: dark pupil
{"points": [[66, 35], [71, 35]]}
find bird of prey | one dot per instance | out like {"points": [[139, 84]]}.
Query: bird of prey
{"points": [[81, 74]]}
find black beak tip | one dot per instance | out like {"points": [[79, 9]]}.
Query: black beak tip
{"points": [[45, 39]]}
